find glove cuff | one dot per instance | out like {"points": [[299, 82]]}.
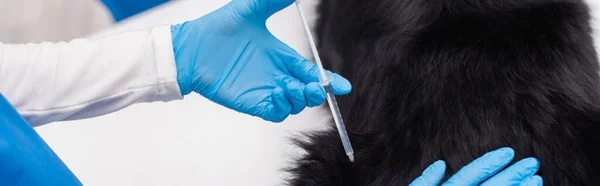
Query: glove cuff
{"points": [[182, 66]]}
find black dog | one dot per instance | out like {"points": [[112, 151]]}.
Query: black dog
{"points": [[453, 79]]}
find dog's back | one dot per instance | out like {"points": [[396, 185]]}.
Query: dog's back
{"points": [[454, 79]]}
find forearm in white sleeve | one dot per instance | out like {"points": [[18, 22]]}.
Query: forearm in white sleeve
{"points": [[84, 78]]}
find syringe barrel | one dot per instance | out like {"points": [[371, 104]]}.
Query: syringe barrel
{"points": [[339, 121]]}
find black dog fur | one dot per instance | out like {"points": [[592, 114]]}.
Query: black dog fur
{"points": [[453, 79]]}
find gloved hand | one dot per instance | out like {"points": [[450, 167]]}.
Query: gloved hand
{"points": [[520, 173], [230, 57]]}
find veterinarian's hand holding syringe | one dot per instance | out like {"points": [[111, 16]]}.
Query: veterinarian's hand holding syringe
{"points": [[227, 56]]}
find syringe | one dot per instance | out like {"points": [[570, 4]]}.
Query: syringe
{"points": [[325, 82]]}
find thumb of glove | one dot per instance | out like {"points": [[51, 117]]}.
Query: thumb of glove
{"points": [[263, 9]]}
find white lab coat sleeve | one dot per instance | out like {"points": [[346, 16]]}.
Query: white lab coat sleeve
{"points": [[85, 78]]}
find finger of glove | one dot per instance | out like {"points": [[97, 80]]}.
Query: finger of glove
{"points": [[315, 94], [294, 90], [280, 107], [340, 85], [533, 181], [515, 174], [309, 72], [481, 168], [432, 176]]}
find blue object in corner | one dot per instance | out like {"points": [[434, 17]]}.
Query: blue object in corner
{"points": [[122, 9], [25, 159]]}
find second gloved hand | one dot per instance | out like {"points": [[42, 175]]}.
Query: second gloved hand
{"points": [[230, 57], [485, 171]]}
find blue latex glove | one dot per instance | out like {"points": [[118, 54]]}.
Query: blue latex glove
{"points": [[520, 173], [230, 57]]}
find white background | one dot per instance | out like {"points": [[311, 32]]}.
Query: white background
{"points": [[189, 142]]}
